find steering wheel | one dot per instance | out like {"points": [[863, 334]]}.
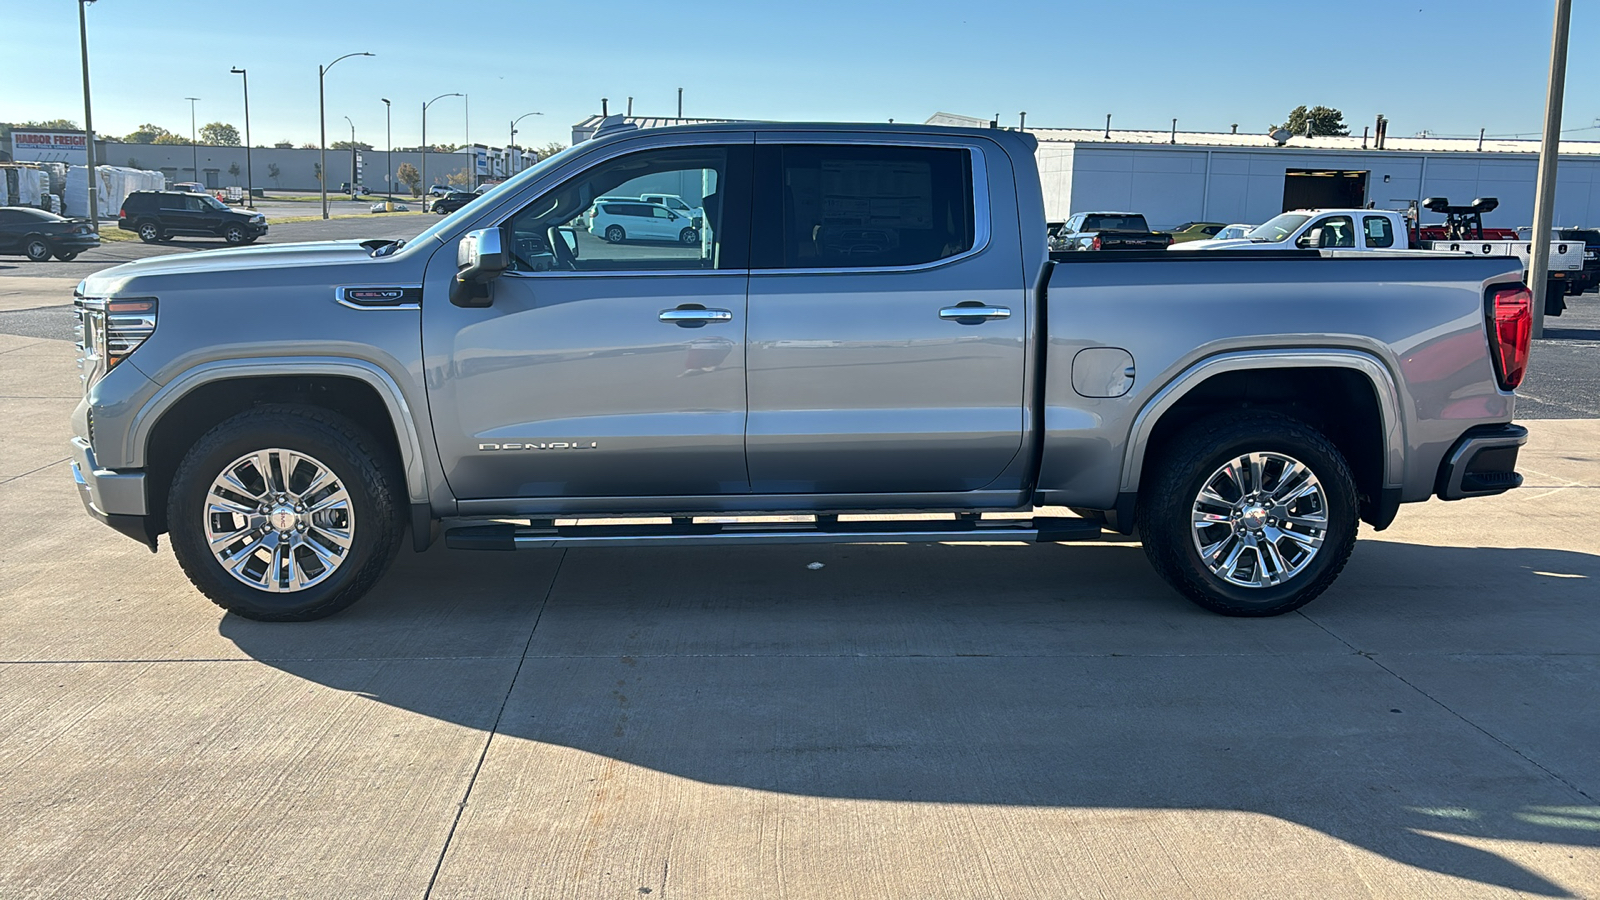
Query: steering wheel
{"points": [[565, 258]]}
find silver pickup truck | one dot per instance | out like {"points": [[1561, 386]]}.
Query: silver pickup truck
{"points": [[862, 322]]}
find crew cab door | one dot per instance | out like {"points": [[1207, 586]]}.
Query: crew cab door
{"points": [[864, 375], [600, 369]]}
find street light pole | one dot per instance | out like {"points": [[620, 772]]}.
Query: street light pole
{"points": [[192, 145], [352, 156], [1544, 198], [511, 148], [472, 154], [249, 174], [88, 118], [388, 162], [425, 185], [322, 124]]}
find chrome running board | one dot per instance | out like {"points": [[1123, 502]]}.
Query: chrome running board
{"points": [[826, 530]]}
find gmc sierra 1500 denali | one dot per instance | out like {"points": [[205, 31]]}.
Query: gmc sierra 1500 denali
{"points": [[868, 323]]}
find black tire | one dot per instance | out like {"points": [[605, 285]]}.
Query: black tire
{"points": [[36, 248], [166, 238], [688, 236], [150, 233], [1172, 485], [367, 471], [615, 234], [233, 234], [67, 255]]}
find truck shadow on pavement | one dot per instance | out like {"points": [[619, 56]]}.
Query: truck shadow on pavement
{"points": [[1434, 698]]}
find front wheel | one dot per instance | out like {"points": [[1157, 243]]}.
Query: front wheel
{"points": [[37, 249], [1249, 515], [689, 236], [285, 513], [233, 234]]}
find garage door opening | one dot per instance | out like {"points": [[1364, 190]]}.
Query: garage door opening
{"points": [[1324, 189]]}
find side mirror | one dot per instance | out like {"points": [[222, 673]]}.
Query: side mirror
{"points": [[480, 258], [570, 237]]}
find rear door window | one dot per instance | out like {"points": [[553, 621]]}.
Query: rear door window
{"points": [[1379, 232], [863, 206]]}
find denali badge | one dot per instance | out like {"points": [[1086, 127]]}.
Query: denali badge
{"points": [[543, 445]]}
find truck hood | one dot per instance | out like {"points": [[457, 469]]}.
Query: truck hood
{"points": [[272, 256], [1231, 244]]}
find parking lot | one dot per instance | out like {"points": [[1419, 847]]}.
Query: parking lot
{"points": [[923, 721]]}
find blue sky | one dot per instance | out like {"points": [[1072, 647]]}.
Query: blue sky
{"points": [[1448, 67]]}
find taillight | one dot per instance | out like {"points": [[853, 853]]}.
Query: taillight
{"points": [[1095, 244], [1510, 319], [122, 213]]}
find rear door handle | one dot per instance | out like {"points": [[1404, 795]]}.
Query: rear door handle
{"points": [[693, 315], [976, 312]]}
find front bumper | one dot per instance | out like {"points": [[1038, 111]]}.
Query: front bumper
{"points": [[1482, 463], [115, 498]]}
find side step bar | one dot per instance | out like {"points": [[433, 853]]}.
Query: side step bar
{"points": [[1042, 529]]}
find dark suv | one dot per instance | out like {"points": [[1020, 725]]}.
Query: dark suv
{"points": [[452, 201], [162, 215]]}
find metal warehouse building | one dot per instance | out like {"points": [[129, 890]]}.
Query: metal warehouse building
{"points": [[1174, 177]]}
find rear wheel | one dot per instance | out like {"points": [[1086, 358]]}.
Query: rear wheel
{"points": [[67, 255], [36, 248], [151, 233], [615, 234], [1249, 515], [285, 513]]}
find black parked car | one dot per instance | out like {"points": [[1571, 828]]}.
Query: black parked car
{"points": [[161, 215], [39, 235], [452, 201]]}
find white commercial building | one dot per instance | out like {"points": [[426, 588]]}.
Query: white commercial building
{"points": [[1173, 177]]}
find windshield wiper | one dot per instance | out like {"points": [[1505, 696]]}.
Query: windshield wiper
{"points": [[382, 248]]}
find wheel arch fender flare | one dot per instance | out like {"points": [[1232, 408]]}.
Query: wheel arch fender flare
{"points": [[387, 388], [1384, 386]]}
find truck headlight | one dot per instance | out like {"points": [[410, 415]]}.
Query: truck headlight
{"points": [[257, 219], [108, 331]]}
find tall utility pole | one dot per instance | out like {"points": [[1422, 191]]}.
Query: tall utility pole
{"points": [[249, 174], [388, 137], [1549, 150], [352, 156], [472, 153], [322, 124], [511, 148], [425, 185], [192, 145], [88, 117]]}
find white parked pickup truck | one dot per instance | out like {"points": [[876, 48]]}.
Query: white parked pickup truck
{"points": [[1313, 229], [1367, 230]]}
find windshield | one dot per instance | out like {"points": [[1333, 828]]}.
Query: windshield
{"points": [[213, 202], [536, 171], [1276, 229]]}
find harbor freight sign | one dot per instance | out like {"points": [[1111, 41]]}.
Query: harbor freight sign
{"points": [[50, 146]]}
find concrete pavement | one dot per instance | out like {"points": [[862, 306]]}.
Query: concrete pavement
{"points": [[944, 721]]}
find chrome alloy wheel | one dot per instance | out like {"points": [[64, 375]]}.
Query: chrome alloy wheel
{"points": [[1260, 519], [279, 521]]}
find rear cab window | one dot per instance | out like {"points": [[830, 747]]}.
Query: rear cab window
{"points": [[1378, 231]]}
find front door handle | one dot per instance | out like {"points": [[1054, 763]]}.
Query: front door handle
{"points": [[972, 313], [693, 315]]}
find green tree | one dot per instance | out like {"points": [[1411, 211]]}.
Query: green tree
{"points": [[550, 149], [145, 134], [170, 139], [1324, 120], [46, 125], [274, 173], [461, 178], [233, 169], [316, 169], [347, 145], [410, 177], [219, 134], [309, 145]]}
